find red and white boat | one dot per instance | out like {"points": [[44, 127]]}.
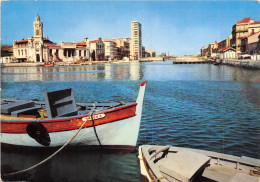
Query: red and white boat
{"points": [[53, 122]]}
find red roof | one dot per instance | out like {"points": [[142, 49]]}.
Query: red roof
{"points": [[22, 41], [256, 22], [245, 20], [252, 34], [81, 43], [225, 49], [51, 45], [94, 41]]}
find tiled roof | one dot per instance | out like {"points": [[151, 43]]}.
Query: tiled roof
{"points": [[22, 41], [245, 20], [225, 49], [81, 43], [94, 41], [51, 45]]}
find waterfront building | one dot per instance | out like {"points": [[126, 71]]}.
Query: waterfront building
{"points": [[123, 47], [97, 50], [110, 49], [224, 43], [242, 29], [213, 49], [150, 53], [136, 40], [40, 49], [254, 27], [204, 51], [251, 44], [227, 53]]}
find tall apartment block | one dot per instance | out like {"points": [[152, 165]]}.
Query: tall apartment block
{"points": [[136, 40]]}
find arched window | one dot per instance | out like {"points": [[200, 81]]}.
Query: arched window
{"points": [[19, 52], [22, 52]]}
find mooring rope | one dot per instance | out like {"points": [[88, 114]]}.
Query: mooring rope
{"points": [[48, 158], [91, 116]]}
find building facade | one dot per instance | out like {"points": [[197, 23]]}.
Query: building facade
{"points": [[110, 49], [251, 44], [136, 40], [40, 49], [242, 29], [97, 50], [227, 53], [123, 47]]}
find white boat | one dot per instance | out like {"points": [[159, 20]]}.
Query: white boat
{"points": [[169, 163], [112, 126]]}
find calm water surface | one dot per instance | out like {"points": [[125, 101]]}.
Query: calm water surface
{"points": [[206, 107]]}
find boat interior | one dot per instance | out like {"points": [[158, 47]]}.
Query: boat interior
{"points": [[57, 104], [169, 163]]}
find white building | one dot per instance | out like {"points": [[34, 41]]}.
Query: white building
{"points": [[136, 40], [228, 53], [110, 49], [40, 49]]}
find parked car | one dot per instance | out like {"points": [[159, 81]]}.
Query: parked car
{"points": [[244, 56]]}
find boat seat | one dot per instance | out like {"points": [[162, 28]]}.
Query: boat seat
{"points": [[183, 165], [24, 111], [60, 103], [14, 106], [220, 173]]}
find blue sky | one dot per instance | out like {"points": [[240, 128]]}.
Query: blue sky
{"points": [[177, 27]]}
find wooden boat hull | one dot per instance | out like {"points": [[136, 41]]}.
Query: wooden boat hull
{"points": [[163, 167], [116, 128]]}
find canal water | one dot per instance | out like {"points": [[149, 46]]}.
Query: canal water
{"points": [[200, 106]]}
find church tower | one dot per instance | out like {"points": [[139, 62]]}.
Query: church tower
{"points": [[38, 27], [38, 39]]}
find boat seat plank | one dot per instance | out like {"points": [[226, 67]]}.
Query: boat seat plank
{"points": [[13, 106], [21, 111], [10, 118], [221, 173], [184, 164]]}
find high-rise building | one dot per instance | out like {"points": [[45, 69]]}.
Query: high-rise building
{"points": [[136, 40]]}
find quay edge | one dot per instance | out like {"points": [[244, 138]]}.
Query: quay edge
{"points": [[252, 64], [21, 64]]}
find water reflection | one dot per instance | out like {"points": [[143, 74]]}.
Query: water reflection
{"points": [[71, 165], [76, 73], [199, 106]]}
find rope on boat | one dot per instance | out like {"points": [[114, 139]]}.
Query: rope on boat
{"points": [[48, 158], [157, 179], [91, 116]]}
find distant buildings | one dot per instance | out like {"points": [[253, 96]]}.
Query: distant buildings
{"points": [[242, 29], [38, 48], [245, 39], [136, 40], [149, 53]]}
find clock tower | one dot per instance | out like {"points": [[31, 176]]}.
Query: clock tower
{"points": [[38, 27], [38, 39]]}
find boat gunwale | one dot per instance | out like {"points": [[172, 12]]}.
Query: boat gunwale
{"points": [[213, 155], [64, 118]]}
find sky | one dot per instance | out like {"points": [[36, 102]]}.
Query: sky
{"points": [[174, 27]]}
